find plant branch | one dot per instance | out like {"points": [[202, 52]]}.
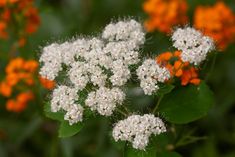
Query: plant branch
{"points": [[158, 103], [121, 112]]}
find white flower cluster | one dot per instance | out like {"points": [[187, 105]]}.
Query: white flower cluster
{"points": [[115, 51], [123, 31], [193, 44], [63, 98], [104, 100], [99, 67], [93, 61], [149, 74], [137, 129]]}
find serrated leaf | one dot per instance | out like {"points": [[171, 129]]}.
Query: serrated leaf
{"points": [[53, 115], [186, 104], [67, 130]]}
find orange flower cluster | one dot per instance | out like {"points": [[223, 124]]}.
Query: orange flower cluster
{"points": [[178, 68], [5, 2], [216, 21], [20, 103], [165, 14], [48, 84], [16, 71], [20, 75], [21, 13]]}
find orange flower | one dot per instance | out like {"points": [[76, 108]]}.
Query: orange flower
{"points": [[20, 103], [30, 66], [165, 14], [190, 76], [14, 65], [27, 17], [178, 68], [23, 72], [5, 89], [3, 33], [12, 79], [33, 20], [216, 21], [18, 70], [48, 84], [25, 97], [22, 42], [5, 2], [166, 56], [6, 15], [14, 106]]}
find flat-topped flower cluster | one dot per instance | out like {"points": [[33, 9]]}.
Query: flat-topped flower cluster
{"points": [[137, 129], [102, 63], [101, 66]]}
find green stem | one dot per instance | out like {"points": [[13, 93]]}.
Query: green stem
{"points": [[158, 103], [121, 112], [126, 109], [212, 67], [188, 140]]}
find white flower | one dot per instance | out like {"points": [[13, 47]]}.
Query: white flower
{"points": [[74, 114], [80, 47], [105, 100], [137, 129], [149, 74], [149, 86], [123, 50], [91, 101], [95, 50], [97, 75], [51, 59], [140, 142], [62, 98], [121, 73], [67, 53], [91, 64], [78, 75], [193, 44], [124, 30]]}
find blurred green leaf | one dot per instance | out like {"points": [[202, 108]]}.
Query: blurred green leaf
{"points": [[67, 130], [29, 129], [131, 152], [120, 145], [186, 104], [150, 151], [168, 154], [161, 141], [53, 115]]}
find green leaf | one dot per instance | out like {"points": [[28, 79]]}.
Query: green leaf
{"points": [[165, 89], [67, 130], [149, 152], [186, 104], [120, 145], [53, 115], [161, 141], [168, 154]]}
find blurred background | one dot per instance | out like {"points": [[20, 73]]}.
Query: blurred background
{"points": [[26, 132]]}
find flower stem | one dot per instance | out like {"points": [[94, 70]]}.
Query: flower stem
{"points": [[158, 103], [212, 66], [121, 112]]}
